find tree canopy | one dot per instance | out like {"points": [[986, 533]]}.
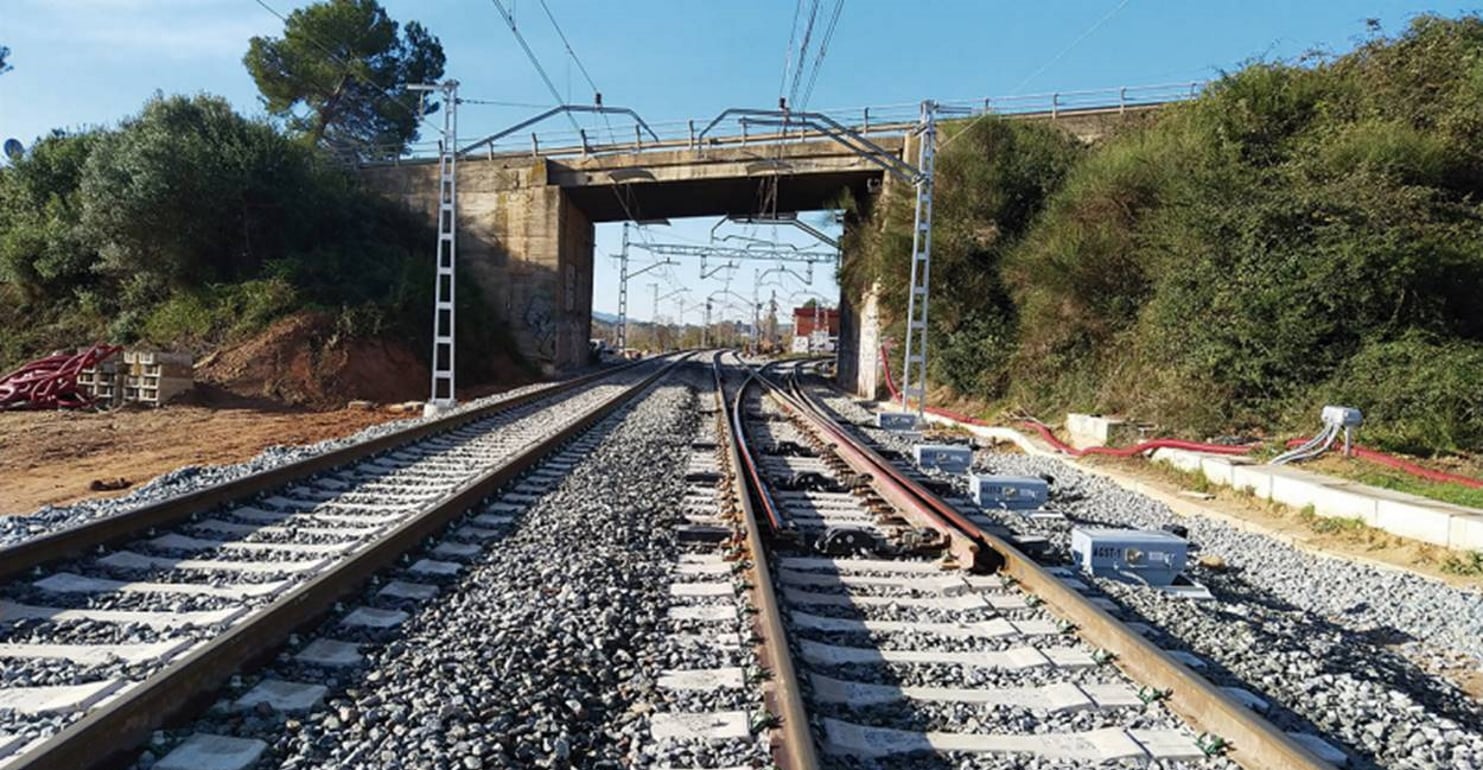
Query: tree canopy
{"points": [[339, 76]]}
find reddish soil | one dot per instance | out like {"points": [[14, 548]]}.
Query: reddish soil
{"points": [[303, 361], [53, 457], [289, 385]]}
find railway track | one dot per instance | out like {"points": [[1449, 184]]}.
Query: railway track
{"points": [[116, 626], [915, 634], [698, 567]]}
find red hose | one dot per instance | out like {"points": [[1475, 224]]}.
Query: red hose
{"points": [[1061, 446], [51, 382], [1376, 456]]}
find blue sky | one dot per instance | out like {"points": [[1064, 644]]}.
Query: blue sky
{"points": [[90, 62]]}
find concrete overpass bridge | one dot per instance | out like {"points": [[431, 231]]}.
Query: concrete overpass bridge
{"points": [[527, 206]]}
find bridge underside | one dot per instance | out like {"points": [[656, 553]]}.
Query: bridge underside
{"points": [[717, 197], [526, 224], [526, 231]]}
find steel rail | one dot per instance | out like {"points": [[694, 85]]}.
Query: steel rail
{"points": [[107, 732], [785, 697], [1252, 741], [76, 540]]}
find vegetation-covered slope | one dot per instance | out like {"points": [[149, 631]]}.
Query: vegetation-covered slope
{"points": [[190, 225], [1300, 234]]}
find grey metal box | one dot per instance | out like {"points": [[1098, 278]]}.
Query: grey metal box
{"points": [[1145, 556], [1015, 493], [948, 458], [896, 420]]}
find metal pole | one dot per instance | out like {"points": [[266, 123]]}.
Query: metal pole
{"points": [[921, 269], [623, 293], [442, 396]]}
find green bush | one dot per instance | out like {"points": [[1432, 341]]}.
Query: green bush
{"points": [[1419, 394], [1226, 263]]}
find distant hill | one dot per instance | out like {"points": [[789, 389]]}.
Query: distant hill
{"points": [[605, 318]]}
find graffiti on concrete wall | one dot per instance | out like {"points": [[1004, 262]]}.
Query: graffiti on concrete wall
{"points": [[540, 320]]}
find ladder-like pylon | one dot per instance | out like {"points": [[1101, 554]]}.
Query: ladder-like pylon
{"points": [[921, 268], [443, 397]]}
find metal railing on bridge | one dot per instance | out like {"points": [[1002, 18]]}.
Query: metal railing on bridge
{"points": [[881, 120]]}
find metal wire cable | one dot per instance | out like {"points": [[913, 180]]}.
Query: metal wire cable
{"points": [[788, 52], [535, 62], [808, 32], [596, 92], [808, 92]]}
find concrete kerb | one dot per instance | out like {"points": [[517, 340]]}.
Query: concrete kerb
{"points": [[1465, 525]]}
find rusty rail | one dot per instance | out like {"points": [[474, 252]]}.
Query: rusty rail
{"points": [[785, 699], [1251, 741]]}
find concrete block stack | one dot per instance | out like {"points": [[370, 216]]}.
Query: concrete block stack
{"points": [[104, 382], [154, 377]]}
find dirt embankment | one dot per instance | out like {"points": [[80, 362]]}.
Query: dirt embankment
{"points": [[303, 360], [288, 385]]}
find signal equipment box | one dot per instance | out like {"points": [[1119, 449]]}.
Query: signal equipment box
{"points": [[948, 458], [1134, 555], [1014, 493], [896, 421]]}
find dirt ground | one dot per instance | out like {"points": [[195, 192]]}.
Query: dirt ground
{"points": [[53, 457]]}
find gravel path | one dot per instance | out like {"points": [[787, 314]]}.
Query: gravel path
{"points": [[1339, 648]]}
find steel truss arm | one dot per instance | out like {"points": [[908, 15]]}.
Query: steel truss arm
{"points": [[732, 253], [554, 111]]}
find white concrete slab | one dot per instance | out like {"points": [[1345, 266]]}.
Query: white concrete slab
{"points": [[819, 599], [435, 568], [702, 679], [131, 560], [271, 530], [844, 566], [400, 589], [451, 550], [71, 583], [1011, 659], [1050, 698], [178, 542], [60, 699], [370, 617], [703, 558], [12, 610], [96, 654], [722, 641], [285, 697], [703, 568], [473, 532], [992, 627], [213, 752], [945, 584], [1094, 747], [1168, 745], [1187, 658], [330, 653], [717, 726], [703, 612], [493, 520], [702, 589]]}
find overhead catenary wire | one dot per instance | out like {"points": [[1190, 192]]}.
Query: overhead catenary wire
{"points": [[596, 92], [808, 91], [534, 61]]}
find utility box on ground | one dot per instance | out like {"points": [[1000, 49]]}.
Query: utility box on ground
{"points": [[1141, 556], [948, 458], [896, 420], [1013, 493]]}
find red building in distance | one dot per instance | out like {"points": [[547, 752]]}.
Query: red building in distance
{"points": [[807, 320]]}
